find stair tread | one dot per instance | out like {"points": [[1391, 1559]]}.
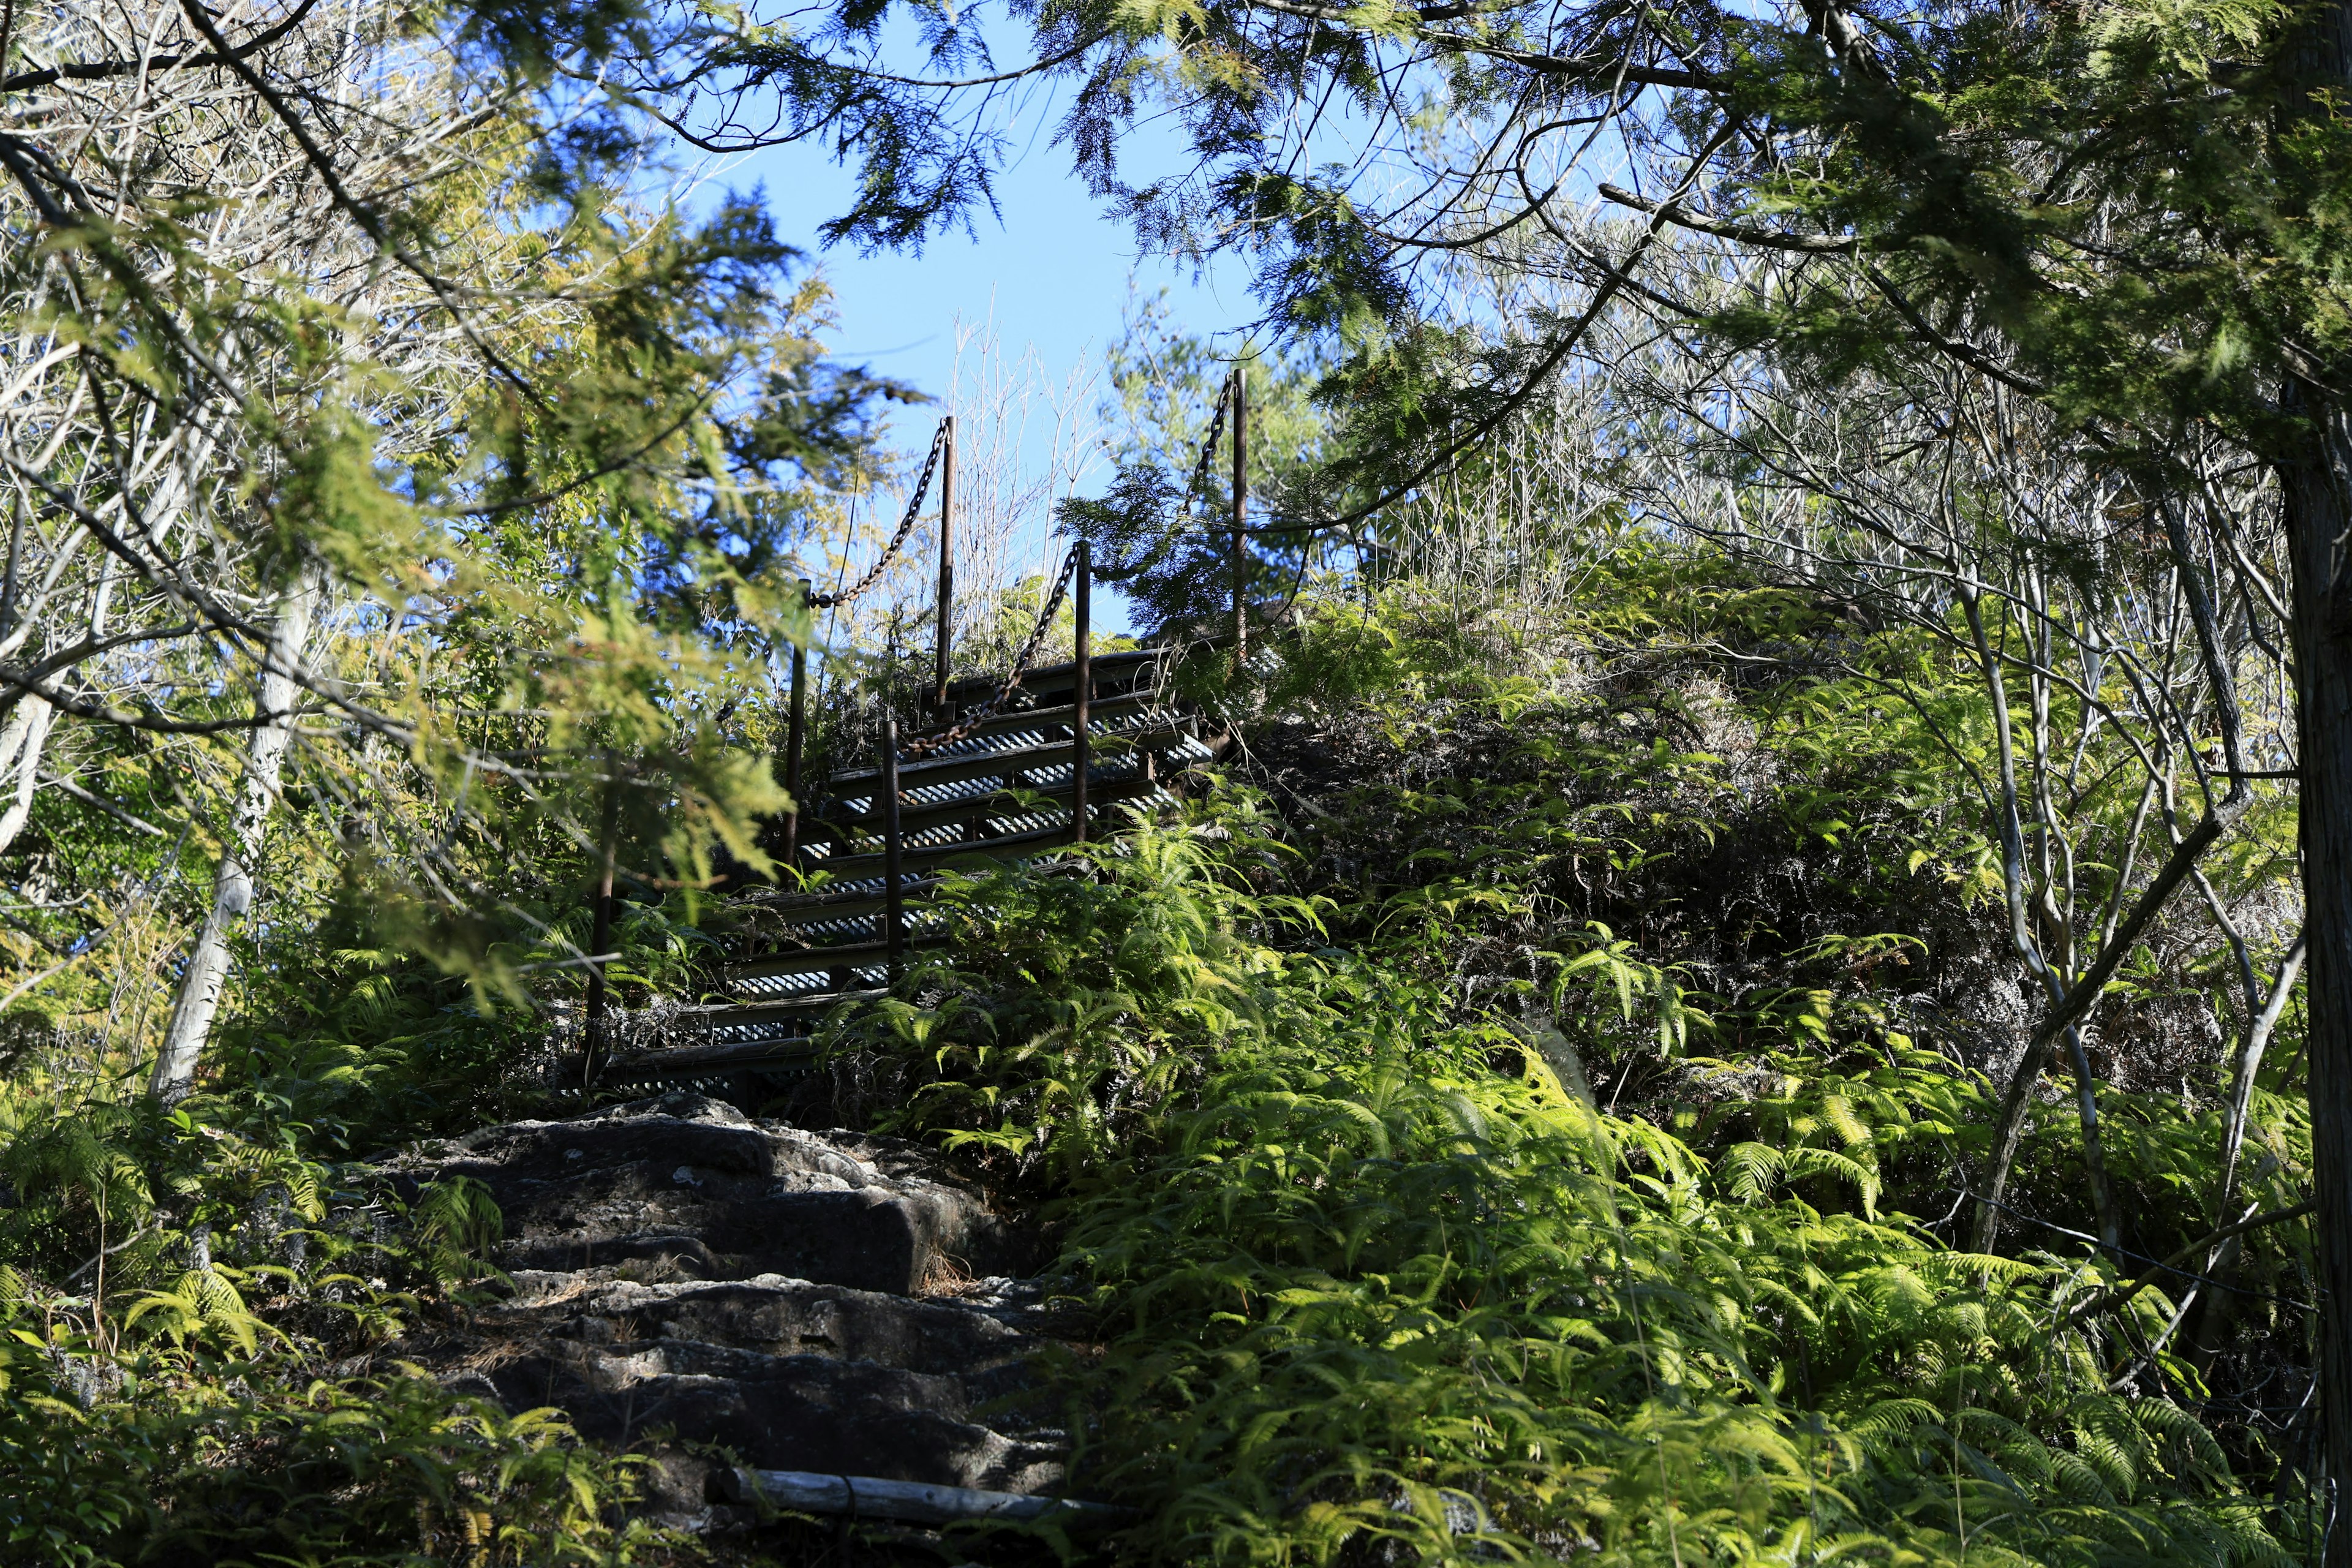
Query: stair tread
{"points": [[1011, 844], [1101, 786], [720, 1011], [982, 764], [1060, 714], [810, 960]]}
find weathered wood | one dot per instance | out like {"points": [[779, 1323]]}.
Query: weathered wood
{"points": [[727, 1014], [1239, 532], [795, 738], [1081, 689], [821, 960], [1057, 719], [992, 764], [1012, 846], [914, 819], [825, 907], [909, 1502], [893, 874]]}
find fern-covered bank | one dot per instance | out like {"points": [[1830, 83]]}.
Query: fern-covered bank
{"points": [[1527, 1109], [1535, 1116]]}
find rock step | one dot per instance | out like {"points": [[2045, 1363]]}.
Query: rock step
{"points": [[790, 1412], [773, 1315], [683, 1273], [693, 1189]]}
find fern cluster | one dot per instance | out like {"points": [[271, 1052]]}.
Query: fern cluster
{"points": [[1428, 1217]]}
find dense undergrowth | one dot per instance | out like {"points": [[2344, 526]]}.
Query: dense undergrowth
{"points": [[1533, 1124], [198, 1303], [1520, 1111]]}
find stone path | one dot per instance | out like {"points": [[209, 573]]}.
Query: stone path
{"points": [[688, 1276]]}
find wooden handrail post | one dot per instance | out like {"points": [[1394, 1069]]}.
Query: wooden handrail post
{"points": [[1082, 675], [946, 611], [795, 737], [1240, 499], [894, 913], [600, 936]]}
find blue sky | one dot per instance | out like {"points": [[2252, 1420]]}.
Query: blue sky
{"points": [[1052, 271], [1050, 267]]}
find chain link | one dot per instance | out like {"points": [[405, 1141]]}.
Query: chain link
{"points": [[898, 539], [924, 745], [1209, 447]]}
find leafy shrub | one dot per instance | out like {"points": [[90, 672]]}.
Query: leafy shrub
{"points": [[1375, 1282]]}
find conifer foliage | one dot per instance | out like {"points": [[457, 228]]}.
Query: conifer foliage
{"points": [[1769, 981]]}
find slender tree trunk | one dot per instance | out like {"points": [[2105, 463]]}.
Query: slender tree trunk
{"points": [[21, 744], [206, 974], [2315, 484]]}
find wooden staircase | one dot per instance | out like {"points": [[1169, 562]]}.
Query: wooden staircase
{"points": [[1004, 791]]}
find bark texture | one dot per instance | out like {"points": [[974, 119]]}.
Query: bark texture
{"points": [[2316, 486], [206, 974]]}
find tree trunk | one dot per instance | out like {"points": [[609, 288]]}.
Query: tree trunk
{"points": [[21, 744], [2315, 484], [206, 973]]}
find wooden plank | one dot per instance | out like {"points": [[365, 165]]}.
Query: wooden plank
{"points": [[1057, 718], [1012, 847], [993, 765], [818, 960], [697, 1061], [847, 906], [1123, 667], [1002, 802], [727, 1014]]}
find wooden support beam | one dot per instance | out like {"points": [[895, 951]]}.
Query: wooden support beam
{"points": [[795, 738], [1081, 691], [1000, 765], [1241, 524], [892, 888], [945, 613]]}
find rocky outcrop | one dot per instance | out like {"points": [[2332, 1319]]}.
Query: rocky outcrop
{"points": [[686, 1276]]}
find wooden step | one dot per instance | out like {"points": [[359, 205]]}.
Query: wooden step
{"points": [[1107, 746], [819, 960], [1012, 847], [1110, 668], [855, 904], [727, 1014], [1103, 786], [701, 1061], [1057, 719]]}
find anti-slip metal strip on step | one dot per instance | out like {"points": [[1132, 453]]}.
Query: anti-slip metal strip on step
{"points": [[861, 786], [1106, 782], [820, 960]]}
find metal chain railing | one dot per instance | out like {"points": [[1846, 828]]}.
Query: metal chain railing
{"points": [[923, 745], [898, 539], [1209, 447]]}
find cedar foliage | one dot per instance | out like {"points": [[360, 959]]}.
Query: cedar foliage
{"points": [[1524, 1114]]}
